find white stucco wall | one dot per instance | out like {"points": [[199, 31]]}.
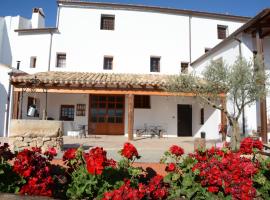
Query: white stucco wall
{"points": [[204, 33], [4, 85]]}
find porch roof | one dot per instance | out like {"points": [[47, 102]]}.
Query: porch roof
{"points": [[88, 82], [87, 79]]}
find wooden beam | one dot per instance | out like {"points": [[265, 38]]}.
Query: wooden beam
{"points": [[130, 116], [15, 105], [110, 91], [263, 112]]}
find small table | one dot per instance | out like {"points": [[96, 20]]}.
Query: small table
{"points": [[73, 133]]}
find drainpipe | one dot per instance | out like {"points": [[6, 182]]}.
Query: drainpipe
{"points": [[8, 106], [189, 28], [50, 52], [243, 114]]}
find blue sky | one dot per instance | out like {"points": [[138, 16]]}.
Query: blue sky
{"points": [[234, 7]]}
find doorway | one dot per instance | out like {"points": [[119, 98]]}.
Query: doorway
{"points": [[184, 120]]}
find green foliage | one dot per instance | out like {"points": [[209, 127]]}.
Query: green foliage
{"points": [[10, 182], [262, 179], [87, 186]]}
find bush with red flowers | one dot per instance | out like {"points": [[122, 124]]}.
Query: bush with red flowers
{"points": [[36, 169], [156, 189], [9, 180], [250, 145], [205, 174], [219, 173]]}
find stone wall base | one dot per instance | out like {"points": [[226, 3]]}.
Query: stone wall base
{"points": [[19, 143]]}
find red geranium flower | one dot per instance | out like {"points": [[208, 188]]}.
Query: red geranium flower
{"points": [[176, 150], [70, 154], [129, 151], [248, 144], [170, 167]]}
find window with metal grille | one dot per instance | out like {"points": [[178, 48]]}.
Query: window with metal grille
{"points": [[142, 101], [61, 60], [67, 113], [108, 63], [184, 67], [155, 64], [107, 22], [33, 61], [222, 31]]}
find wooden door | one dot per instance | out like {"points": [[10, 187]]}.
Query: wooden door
{"points": [[106, 114], [184, 120]]}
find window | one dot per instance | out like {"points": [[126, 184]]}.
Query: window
{"points": [[33, 61], [202, 116], [206, 50], [222, 31], [155, 64], [67, 113], [80, 110], [142, 101], [61, 60], [184, 67], [107, 22], [108, 63]]}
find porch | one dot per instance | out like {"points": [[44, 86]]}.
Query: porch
{"points": [[116, 106]]}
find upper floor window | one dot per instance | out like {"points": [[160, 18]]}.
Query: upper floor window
{"points": [[184, 67], [107, 22], [222, 31], [155, 64], [142, 101], [33, 62], [108, 63], [61, 60]]}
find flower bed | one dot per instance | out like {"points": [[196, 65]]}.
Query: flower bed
{"points": [[205, 174]]}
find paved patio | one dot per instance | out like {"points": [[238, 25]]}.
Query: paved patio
{"points": [[151, 149]]}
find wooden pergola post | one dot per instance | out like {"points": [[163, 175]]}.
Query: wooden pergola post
{"points": [[130, 116], [263, 113], [224, 127]]}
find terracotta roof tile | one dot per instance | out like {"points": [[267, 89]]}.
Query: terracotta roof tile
{"points": [[85, 78]]}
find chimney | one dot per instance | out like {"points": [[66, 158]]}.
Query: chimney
{"points": [[38, 18]]}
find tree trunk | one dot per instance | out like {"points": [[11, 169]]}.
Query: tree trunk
{"points": [[235, 138]]}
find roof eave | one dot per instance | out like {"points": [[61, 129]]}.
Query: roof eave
{"points": [[154, 8]]}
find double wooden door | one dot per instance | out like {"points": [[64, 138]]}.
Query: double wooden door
{"points": [[106, 114]]}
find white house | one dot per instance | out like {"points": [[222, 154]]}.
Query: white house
{"points": [[104, 66], [250, 39]]}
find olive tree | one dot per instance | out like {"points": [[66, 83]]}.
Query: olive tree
{"points": [[242, 84]]}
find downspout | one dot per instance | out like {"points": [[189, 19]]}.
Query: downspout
{"points": [[243, 114], [50, 52], [189, 29], [8, 106]]}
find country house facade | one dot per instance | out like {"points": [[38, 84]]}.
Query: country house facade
{"points": [[105, 65]]}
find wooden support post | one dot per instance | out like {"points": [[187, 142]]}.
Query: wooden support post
{"points": [[223, 119], [15, 105], [130, 116], [263, 112]]}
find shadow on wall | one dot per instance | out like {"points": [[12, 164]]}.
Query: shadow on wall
{"points": [[208, 112], [6, 55], [3, 102]]}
